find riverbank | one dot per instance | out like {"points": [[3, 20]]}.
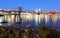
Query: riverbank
{"points": [[24, 32]]}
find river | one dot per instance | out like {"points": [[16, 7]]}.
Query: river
{"points": [[49, 20]]}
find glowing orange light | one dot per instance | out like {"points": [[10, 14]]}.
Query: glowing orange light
{"points": [[53, 16]]}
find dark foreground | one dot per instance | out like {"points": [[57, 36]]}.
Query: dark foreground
{"points": [[24, 32]]}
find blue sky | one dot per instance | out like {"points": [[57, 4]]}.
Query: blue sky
{"points": [[31, 4]]}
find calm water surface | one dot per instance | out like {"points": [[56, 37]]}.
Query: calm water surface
{"points": [[35, 20]]}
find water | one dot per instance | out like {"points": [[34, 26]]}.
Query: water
{"points": [[49, 21], [35, 20]]}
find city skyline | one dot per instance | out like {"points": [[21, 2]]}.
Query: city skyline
{"points": [[31, 4]]}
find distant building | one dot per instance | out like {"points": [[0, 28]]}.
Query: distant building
{"points": [[12, 15]]}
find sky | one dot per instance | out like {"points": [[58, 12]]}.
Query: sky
{"points": [[31, 4]]}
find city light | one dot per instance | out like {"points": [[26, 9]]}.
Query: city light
{"points": [[27, 16]]}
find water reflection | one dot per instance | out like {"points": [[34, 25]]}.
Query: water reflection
{"points": [[51, 20]]}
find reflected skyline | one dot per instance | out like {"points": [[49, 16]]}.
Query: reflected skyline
{"points": [[38, 18], [33, 18]]}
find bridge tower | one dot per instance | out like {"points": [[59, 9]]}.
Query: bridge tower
{"points": [[19, 11]]}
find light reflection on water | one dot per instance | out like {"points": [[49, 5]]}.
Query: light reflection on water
{"points": [[43, 19], [50, 20]]}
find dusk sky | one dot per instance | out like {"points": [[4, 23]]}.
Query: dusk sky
{"points": [[31, 4]]}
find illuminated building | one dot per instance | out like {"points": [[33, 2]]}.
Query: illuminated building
{"points": [[14, 15]]}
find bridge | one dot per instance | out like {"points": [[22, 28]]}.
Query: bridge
{"points": [[11, 15]]}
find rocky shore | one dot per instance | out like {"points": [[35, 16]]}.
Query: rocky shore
{"points": [[24, 32]]}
